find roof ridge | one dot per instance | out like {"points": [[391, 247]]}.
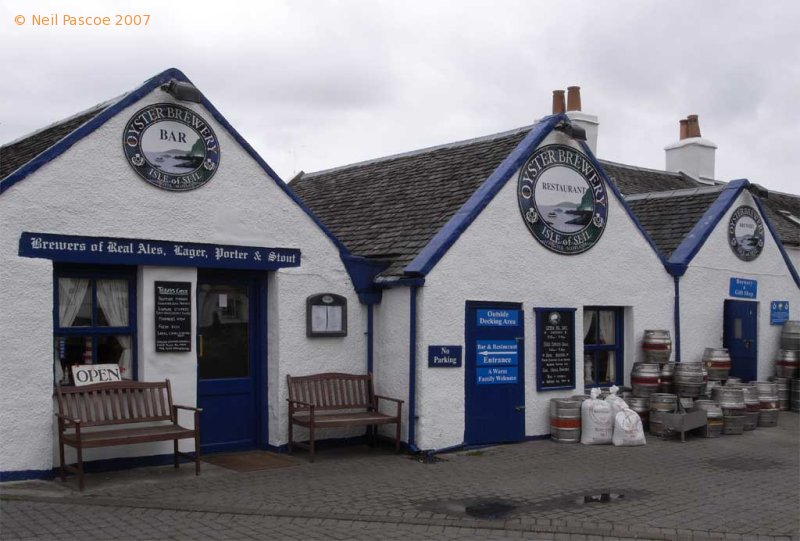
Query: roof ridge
{"points": [[640, 168], [686, 192], [424, 150]]}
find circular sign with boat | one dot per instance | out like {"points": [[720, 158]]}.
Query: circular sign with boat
{"points": [[171, 147], [563, 199], [746, 233]]}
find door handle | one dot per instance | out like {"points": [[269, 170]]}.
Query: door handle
{"points": [[519, 408]]}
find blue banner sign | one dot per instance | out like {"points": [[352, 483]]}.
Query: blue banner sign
{"points": [[444, 356], [496, 352], [743, 288], [497, 318], [778, 312], [497, 375], [119, 251]]}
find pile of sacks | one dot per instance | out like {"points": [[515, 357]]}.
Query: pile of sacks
{"points": [[610, 421]]}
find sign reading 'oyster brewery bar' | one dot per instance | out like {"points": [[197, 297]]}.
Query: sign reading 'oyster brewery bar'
{"points": [[171, 147], [563, 200]]}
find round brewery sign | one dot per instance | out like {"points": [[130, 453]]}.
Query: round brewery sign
{"points": [[746, 233], [171, 147], [563, 200]]}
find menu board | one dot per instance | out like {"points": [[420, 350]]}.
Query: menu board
{"points": [[555, 348], [173, 316]]}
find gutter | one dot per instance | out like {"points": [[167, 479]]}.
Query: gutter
{"points": [[412, 369], [677, 309]]}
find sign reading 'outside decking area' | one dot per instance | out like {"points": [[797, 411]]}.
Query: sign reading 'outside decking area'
{"points": [[119, 251], [497, 318], [555, 348], [173, 311], [743, 288], [496, 362], [444, 356]]}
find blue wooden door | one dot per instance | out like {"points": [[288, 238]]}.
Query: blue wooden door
{"points": [[227, 367], [494, 387], [740, 336]]}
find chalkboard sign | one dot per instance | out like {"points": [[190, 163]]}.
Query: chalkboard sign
{"points": [[555, 348], [173, 316]]}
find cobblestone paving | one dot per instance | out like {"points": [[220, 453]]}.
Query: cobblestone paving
{"points": [[743, 487]]}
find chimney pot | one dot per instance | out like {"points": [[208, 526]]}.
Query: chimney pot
{"points": [[559, 106], [573, 98], [693, 126], [684, 128]]}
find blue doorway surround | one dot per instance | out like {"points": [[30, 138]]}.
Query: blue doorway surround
{"points": [[495, 382], [232, 360], [740, 336]]}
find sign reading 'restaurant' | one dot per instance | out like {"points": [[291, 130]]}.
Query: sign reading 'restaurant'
{"points": [[746, 233], [563, 199], [171, 147]]}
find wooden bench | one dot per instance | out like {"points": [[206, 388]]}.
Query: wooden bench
{"points": [[120, 403], [336, 400]]}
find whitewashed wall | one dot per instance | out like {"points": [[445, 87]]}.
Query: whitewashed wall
{"points": [[497, 259], [794, 255], [391, 351], [706, 285], [91, 190]]}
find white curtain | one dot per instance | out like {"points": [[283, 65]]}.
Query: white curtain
{"points": [[112, 297], [588, 360], [71, 293], [608, 336]]}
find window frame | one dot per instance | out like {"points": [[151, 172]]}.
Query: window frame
{"points": [[595, 349], [93, 274]]}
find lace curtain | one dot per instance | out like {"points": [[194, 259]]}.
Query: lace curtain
{"points": [[112, 298], [71, 294]]}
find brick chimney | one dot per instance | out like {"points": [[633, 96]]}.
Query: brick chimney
{"points": [[579, 118], [692, 154]]}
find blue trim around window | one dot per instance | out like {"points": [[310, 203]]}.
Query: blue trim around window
{"points": [[93, 274], [596, 349]]}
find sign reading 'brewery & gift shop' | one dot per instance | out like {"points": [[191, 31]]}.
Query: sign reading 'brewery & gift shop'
{"points": [[563, 199], [171, 147]]}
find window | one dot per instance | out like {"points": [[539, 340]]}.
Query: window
{"points": [[94, 319], [602, 346]]}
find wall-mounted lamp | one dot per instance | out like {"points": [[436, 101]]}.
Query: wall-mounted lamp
{"points": [[183, 91], [572, 130]]}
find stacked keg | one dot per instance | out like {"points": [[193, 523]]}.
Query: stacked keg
{"points": [[731, 399], [787, 365], [715, 423], [752, 406], [565, 420], [769, 403], [651, 379]]}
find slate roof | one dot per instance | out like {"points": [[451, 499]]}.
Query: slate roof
{"points": [[635, 180], [777, 205], [17, 153], [669, 216]]}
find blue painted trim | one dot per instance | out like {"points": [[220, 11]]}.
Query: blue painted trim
{"points": [[686, 250], [621, 200], [262, 338], [127, 100], [458, 223], [778, 243], [402, 282], [362, 273], [412, 367], [370, 338], [537, 321], [677, 312]]}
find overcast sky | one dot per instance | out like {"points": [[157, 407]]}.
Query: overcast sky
{"points": [[317, 84]]}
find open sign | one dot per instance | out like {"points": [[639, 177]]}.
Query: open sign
{"points": [[95, 373]]}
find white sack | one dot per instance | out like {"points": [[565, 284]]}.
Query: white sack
{"points": [[597, 424], [628, 430], [617, 403]]}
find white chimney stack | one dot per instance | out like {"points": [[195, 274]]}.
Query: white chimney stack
{"points": [[692, 154], [579, 118]]}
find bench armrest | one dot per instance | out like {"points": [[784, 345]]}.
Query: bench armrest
{"points": [[378, 398], [66, 419], [381, 397], [190, 408], [197, 412], [301, 403]]}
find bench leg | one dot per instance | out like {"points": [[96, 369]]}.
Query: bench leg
{"points": [[311, 441], [397, 437], [61, 455], [197, 454], [80, 467], [175, 449], [291, 432]]}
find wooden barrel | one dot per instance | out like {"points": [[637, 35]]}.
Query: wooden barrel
{"points": [[565, 420], [784, 392], [645, 378], [768, 417], [713, 428], [665, 383], [717, 363], [790, 335], [787, 363], [657, 346], [768, 395], [641, 405], [794, 402], [688, 379]]}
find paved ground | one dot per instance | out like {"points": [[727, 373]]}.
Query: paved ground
{"points": [[743, 487]]}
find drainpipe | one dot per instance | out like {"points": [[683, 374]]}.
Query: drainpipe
{"points": [[370, 335], [677, 319], [412, 370]]}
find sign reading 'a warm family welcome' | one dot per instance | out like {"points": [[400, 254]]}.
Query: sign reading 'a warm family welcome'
{"points": [[563, 199], [171, 147]]}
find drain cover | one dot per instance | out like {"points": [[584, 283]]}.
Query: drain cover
{"points": [[604, 497], [489, 510]]}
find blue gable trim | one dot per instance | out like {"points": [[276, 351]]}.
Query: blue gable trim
{"points": [[778, 243], [447, 236], [623, 203], [127, 100], [686, 250], [362, 272]]}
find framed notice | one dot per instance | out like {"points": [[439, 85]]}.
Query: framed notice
{"points": [[555, 348], [173, 316], [326, 315]]}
